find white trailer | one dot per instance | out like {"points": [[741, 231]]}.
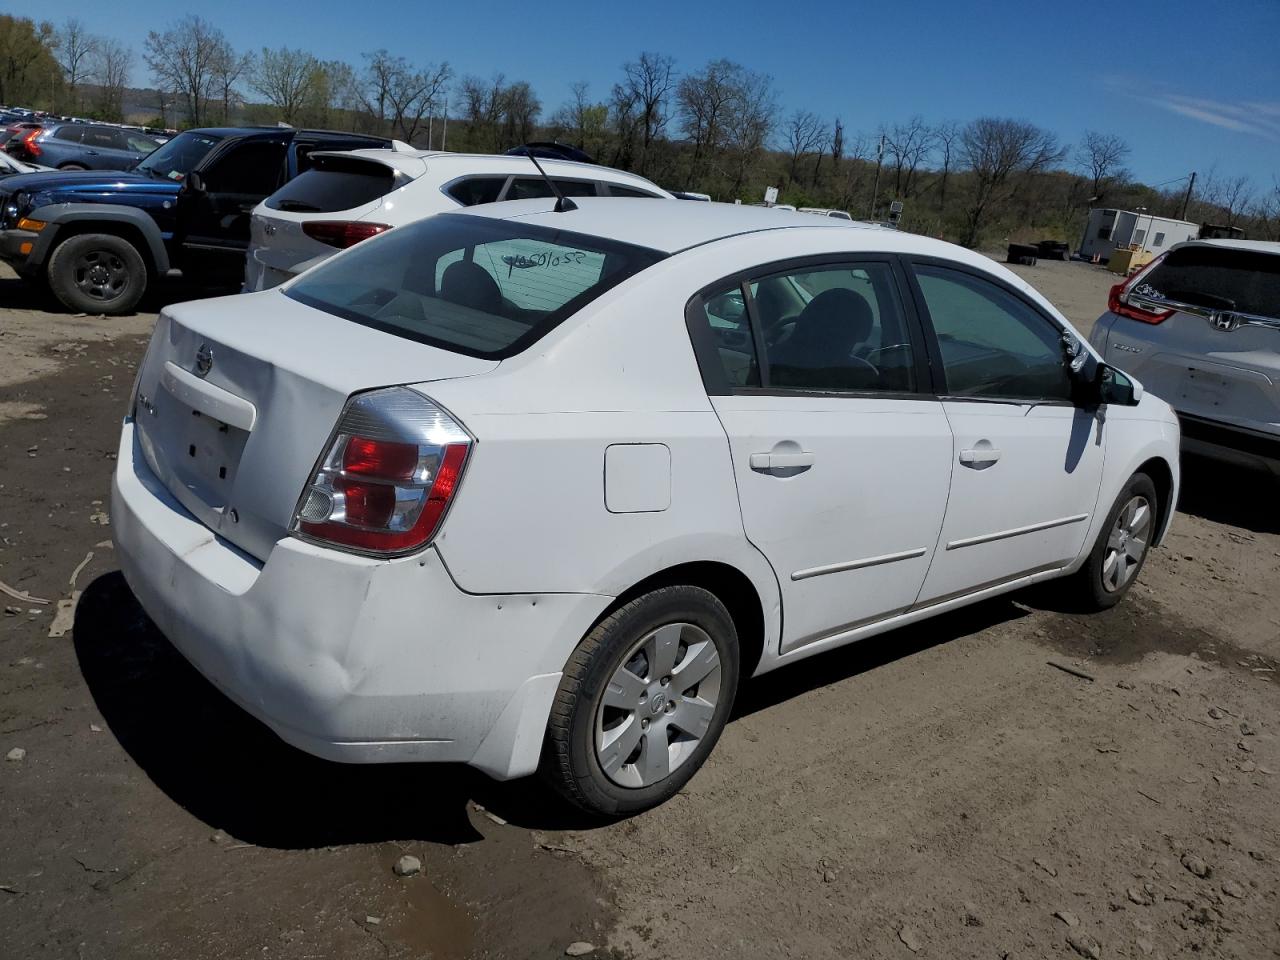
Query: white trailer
{"points": [[1111, 230]]}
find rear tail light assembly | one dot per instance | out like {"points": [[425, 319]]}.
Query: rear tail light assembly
{"points": [[1126, 300], [29, 142], [342, 233], [386, 477]]}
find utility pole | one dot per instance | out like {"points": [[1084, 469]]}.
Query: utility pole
{"points": [[875, 191], [444, 130], [1186, 199]]}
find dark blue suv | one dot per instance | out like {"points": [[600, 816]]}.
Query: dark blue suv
{"points": [[82, 146], [98, 240]]}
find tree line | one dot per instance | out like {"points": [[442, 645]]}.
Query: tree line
{"points": [[718, 129]]}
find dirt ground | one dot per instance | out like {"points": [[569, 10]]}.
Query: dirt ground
{"points": [[942, 791]]}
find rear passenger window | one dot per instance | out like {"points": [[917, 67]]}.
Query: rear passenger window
{"points": [[725, 314], [527, 188], [616, 190], [73, 133], [474, 190]]}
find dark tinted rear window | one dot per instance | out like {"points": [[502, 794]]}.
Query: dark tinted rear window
{"points": [[1220, 278], [485, 288], [475, 190], [336, 185], [617, 190]]}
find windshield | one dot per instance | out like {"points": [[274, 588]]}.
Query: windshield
{"points": [[175, 159], [1218, 278], [485, 288]]}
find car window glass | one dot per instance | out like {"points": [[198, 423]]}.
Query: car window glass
{"points": [[103, 138], [725, 314], [523, 188], [617, 190], [835, 328], [251, 168], [474, 190], [1220, 278], [537, 275], [992, 343], [72, 133]]}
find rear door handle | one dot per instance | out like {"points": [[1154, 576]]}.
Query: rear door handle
{"points": [[979, 456], [779, 462]]}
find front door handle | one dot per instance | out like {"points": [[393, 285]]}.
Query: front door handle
{"points": [[781, 463], [979, 456]]}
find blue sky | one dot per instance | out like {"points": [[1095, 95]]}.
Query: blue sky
{"points": [[1189, 85]]}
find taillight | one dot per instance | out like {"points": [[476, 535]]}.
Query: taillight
{"points": [[29, 142], [1123, 299], [387, 476], [342, 233]]}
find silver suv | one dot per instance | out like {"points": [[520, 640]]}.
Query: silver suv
{"points": [[1200, 328]]}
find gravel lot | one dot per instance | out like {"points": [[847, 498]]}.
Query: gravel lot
{"points": [[941, 791]]}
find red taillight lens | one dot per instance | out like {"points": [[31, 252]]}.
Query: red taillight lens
{"points": [[342, 233], [1119, 300], [388, 475], [29, 142]]}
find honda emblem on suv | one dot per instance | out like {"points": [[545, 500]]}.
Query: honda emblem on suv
{"points": [[1224, 320], [204, 360]]}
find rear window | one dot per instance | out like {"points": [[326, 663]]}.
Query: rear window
{"points": [[473, 190], [481, 287], [334, 184], [1220, 278]]}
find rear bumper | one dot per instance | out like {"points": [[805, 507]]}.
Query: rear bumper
{"points": [[1234, 444], [349, 658]]}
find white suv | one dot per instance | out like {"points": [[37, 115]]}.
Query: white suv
{"points": [[531, 489], [1200, 326], [350, 196]]}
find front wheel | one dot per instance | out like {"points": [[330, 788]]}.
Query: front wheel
{"points": [[1121, 548], [97, 273], [643, 701]]}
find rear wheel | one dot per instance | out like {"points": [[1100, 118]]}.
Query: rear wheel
{"points": [[1121, 548], [97, 273], [643, 701]]}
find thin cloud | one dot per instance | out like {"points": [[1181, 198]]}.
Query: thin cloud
{"points": [[1262, 119]]}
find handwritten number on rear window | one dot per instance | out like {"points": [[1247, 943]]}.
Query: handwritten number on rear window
{"points": [[522, 261]]}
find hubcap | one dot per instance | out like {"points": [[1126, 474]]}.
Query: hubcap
{"points": [[1126, 544], [658, 705], [100, 274]]}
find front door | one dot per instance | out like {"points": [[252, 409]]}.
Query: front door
{"points": [[842, 460], [1026, 464], [215, 218]]}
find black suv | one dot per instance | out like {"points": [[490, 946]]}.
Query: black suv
{"points": [[99, 240]]}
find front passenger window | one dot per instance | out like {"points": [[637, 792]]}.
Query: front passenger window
{"points": [[992, 343]]}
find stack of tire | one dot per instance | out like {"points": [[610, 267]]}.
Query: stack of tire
{"points": [[1023, 253], [1054, 250]]}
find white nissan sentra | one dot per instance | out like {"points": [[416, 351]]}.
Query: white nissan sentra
{"points": [[533, 489]]}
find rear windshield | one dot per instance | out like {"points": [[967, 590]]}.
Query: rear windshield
{"points": [[1220, 278], [334, 184], [485, 288], [175, 159]]}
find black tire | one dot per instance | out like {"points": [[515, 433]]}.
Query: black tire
{"points": [[1087, 589], [570, 763], [97, 273]]}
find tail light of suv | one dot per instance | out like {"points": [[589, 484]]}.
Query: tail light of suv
{"points": [[29, 142], [342, 233], [1125, 298], [387, 476]]}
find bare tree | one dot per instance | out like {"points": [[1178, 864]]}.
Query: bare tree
{"points": [[1100, 156], [703, 103], [908, 145], [228, 67], [804, 132], [183, 59], [750, 124], [945, 136], [111, 64], [646, 84], [837, 145], [75, 49], [520, 109], [998, 152], [1228, 196], [583, 120], [484, 104], [286, 78], [400, 95]]}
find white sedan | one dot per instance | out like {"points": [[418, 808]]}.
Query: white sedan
{"points": [[532, 489]]}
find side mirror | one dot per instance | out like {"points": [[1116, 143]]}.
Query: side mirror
{"points": [[195, 182], [1117, 387]]}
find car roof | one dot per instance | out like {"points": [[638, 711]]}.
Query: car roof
{"points": [[1253, 246], [291, 132], [670, 227], [498, 164]]}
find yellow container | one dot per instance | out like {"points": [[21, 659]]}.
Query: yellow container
{"points": [[1125, 262]]}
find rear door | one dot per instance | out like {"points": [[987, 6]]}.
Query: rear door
{"points": [[841, 453], [1027, 463]]}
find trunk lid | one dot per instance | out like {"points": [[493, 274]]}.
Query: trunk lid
{"points": [[237, 397]]}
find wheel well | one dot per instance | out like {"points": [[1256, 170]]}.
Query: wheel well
{"points": [[1162, 476], [125, 231], [731, 587]]}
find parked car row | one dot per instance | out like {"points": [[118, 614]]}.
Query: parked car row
{"points": [[80, 146]]}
